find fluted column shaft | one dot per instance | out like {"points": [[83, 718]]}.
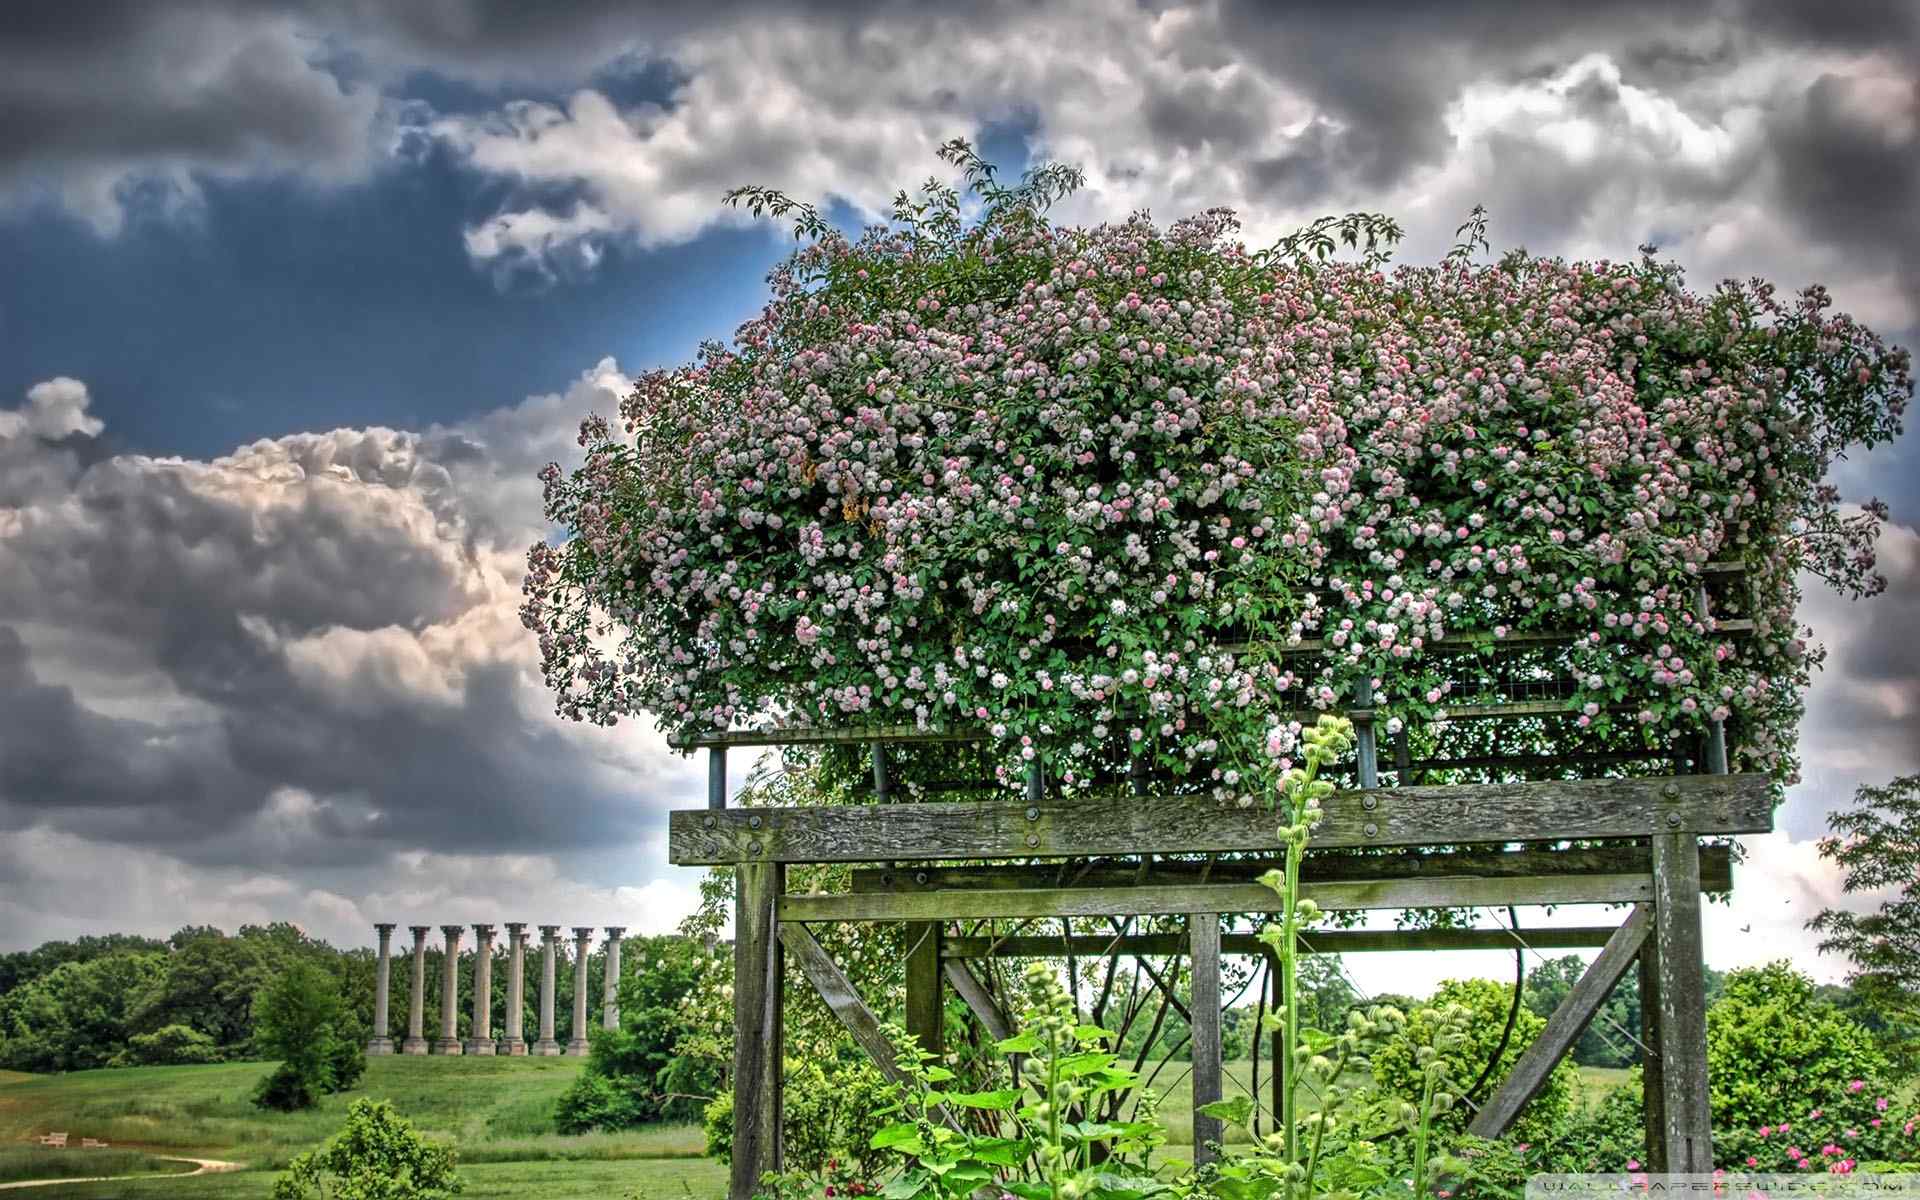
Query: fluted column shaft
{"points": [[610, 998], [381, 1042], [450, 992], [480, 1036], [550, 935], [416, 1042], [515, 1042], [581, 936]]}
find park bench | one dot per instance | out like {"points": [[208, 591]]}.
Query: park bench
{"points": [[54, 1139], [88, 1143]]}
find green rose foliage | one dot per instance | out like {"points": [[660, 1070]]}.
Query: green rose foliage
{"points": [[377, 1155], [1396, 1072], [1086, 488]]}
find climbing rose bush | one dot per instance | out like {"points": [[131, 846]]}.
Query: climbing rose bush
{"points": [[1131, 491]]}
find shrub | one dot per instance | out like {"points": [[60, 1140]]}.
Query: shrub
{"points": [[829, 1115], [377, 1155], [1776, 1055], [1395, 1071]]}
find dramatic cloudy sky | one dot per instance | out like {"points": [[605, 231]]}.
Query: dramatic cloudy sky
{"points": [[296, 297]]}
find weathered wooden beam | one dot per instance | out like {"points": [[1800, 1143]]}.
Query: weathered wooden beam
{"points": [[1329, 941], [1716, 869], [978, 999], [842, 1000], [1565, 1027], [1683, 1007], [1463, 892], [1203, 935], [1119, 824], [758, 1062], [926, 1008]]}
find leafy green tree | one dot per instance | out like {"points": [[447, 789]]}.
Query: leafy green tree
{"points": [[297, 1019], [75, 1016], [170, 1045], [1877, 845], [638, 1072], [377, 1155], [24, 966]]}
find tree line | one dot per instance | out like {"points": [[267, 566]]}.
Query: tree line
{"points": [[124, 1000]]}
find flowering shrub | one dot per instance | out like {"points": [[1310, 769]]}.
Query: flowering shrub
{"points": [[1083, 487]]}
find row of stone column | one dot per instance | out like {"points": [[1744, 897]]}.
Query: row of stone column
{"points": [[482, 1040]]}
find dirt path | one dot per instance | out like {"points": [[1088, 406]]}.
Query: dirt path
{"points": [[205, 1166]]}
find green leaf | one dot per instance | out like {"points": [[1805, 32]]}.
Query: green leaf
{"points": [[905, 1187], [1236, 1110], [1019, 1043], [897, 1136]]}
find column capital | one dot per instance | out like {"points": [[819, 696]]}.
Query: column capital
{"points": [[384, 927], [550, 932], [615, 931], [420, 931], [583, 933], [482, 931], [516, 928], [453, 931]]}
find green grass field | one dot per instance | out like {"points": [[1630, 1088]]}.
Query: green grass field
{"points": [[45, 1162], [495, 1111]]}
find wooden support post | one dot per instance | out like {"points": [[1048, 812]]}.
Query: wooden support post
{"points": [[1203, 931], [1686, 1121], [1036, 781], [842, 1000], [882, 782], [1563, 1029], [926, 1007], [717, 777], [758, 1027], [1653, 1089], [1366, 746]]}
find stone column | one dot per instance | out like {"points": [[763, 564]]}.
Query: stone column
{"points": [[381, 1042], [546, 1045], [480, 1036], [515, 1043], [416, 1042], [582, 934], [610, 1002], [449, 1042]]}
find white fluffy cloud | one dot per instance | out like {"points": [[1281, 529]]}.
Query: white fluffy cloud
{"points": [[291, 682]]}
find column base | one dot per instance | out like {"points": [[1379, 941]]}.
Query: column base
{"points": [[414, 1046], [377, 1046], [577, 1047], [450, 1046], [514, 1048], [481, 1046], [546, 1049]]}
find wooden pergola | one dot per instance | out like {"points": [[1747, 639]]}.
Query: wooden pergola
{"points": [[1102, 856]]}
